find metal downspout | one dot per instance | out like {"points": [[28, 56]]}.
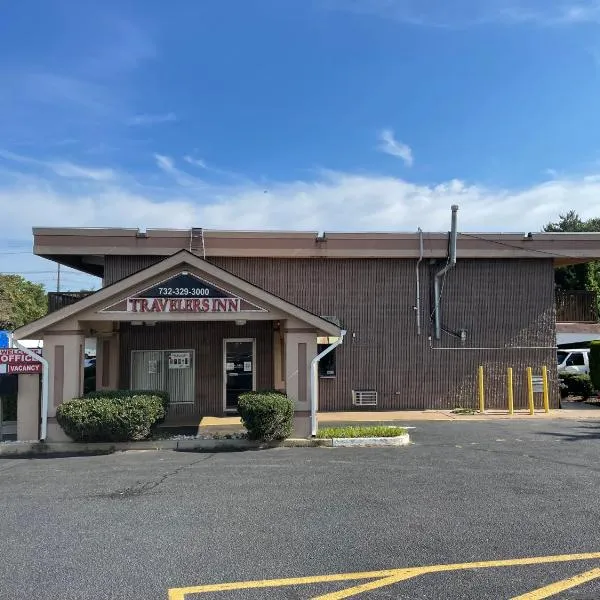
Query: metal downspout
{"points": [[418, 282], [314, 382], [45, 386], [449, 265]]}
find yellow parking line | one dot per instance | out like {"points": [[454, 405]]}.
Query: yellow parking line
{"points": [[560, 586], [402, 573], [180, 593], [371, 585]]}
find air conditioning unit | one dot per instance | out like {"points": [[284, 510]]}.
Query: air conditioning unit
{"points": [[364, 397]]}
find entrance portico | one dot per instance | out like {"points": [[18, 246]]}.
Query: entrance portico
{"points": [[190, 328]]}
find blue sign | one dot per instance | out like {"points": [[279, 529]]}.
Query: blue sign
{"points": [[4, 338]]}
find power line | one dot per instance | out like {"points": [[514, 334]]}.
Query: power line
{"points": [[75, 273], [517, 247]]}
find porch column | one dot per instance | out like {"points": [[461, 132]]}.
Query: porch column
{"points": [[28, 408], [107, 362], [64, 350], [300, 349]]}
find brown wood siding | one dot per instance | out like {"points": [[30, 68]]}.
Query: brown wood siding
{"points": [[117, 267], [207, 341], [500, 302]]}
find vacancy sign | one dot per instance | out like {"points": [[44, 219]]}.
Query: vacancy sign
{"points": [[13, 360]]}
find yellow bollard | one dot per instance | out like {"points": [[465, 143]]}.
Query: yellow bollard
{"points": [[509, 388], [481, 390], [530, 390], [545, 389]]}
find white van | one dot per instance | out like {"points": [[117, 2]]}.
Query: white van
{"points": [[575, 360]]}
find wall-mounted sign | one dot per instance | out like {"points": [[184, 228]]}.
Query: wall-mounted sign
{"points": [[13, 361], [184, 293], [179, 360]]}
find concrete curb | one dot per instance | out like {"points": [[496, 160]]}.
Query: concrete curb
{"points": [[399, 440], [33, 449], [38, 449]]}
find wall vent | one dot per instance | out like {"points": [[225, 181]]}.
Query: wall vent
{"points": [[364, 397]]}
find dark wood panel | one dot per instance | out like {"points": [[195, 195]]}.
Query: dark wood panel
{"points": [[498, 302], [206, 339]]}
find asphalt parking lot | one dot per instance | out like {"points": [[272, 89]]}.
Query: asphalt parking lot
{"points": [[327, 523]]}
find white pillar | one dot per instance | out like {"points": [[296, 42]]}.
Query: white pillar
{"points": [[300, 349], [28, 408], [64, 350]]}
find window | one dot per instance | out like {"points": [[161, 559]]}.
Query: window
{"points": [[561, 357], [327, 363], [576, 360]]}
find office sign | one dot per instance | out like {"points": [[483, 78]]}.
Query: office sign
{"points": [[15, 361]]}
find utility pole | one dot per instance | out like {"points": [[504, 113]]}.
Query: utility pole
{"points": [[58, 278]]}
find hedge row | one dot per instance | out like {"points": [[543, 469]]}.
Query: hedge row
{"points": [[112, 416]]}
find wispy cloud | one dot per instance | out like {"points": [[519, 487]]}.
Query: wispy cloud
{"points": [[62, 168], [390, 145], [150, 119], [330, 200], [71, 170], [197, 162], [167, 165], [436, 13]]}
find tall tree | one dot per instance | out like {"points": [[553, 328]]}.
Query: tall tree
{"points": [[584, 276], [21, 301]]}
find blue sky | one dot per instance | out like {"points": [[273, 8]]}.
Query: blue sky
{"points": [[295, 114]]}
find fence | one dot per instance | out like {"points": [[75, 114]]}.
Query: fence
{"points": [[576, 307], [58, 300]]}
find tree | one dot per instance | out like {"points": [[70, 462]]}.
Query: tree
{"points": [[21, 301], [584, 276]]}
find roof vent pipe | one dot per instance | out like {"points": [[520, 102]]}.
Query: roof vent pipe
{"points": [[438, 276]]}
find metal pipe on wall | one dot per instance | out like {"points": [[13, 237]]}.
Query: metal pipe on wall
{"points": [[449, 265], [418, 282]]}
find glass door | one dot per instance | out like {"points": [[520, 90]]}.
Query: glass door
{"points": [[239, 370]]}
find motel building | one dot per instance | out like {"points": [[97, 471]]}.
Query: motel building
{"points": [[406, 319]]}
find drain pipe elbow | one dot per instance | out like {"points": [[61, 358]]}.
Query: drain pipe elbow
{"points": [[314, 382], [449, 265]]}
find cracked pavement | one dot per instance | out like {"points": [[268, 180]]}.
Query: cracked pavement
{"points": [[133, 525]]}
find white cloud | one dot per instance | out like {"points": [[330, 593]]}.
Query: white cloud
{"points": [[149, 119], [68, 169], [61, 168], [331, 200], [164, 163], [390, 145], [197, 162], [437, 13]]}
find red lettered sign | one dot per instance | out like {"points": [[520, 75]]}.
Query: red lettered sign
{"points": [[13, 360]]}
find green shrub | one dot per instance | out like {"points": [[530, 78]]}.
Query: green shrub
{"points": [[267, 416], [576, 385], [595, 364], [120, 394], [110, 419]]}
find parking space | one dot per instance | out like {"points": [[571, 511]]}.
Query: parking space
{"points": [[518, 499]]}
